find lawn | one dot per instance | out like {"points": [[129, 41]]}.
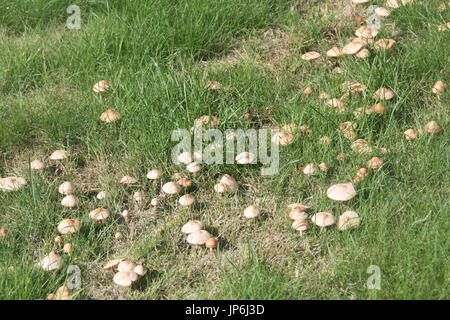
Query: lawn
{"points": [[158, 57]]}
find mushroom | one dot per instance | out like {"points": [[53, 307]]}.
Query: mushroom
{"points": [[153, 174], [187, 200], [360, 175], [323, 167], [283, 138], [323, 219], [171, 188], [308, 91], [37, 165], [66, 188], [252, 212], [385, 44], [348, 220], [192, 226], [67, 248], [361, 146], [101, 86], [128, 180], [70, 201], [347, 129], [410, 134], [229, 182], [140, 270], [58, 239], [341, 192], [125, 278], [3, 233], [112, 264], [11, 183], [374, 163], [62, 293], [310, 169], [184, 182], [378, 108], [58, 155], [193, 167], [298, 214], [432, 127], [360, 1], [352, 48], [211, 243], [101, 195], [245, 158], [126, 265], [384, 94], [139, 196], [334, 52], [185, 157], [439, 87], [366, 32], [392, 4], [118, 236], [382, 12], [154, 202], [198, 237], [99, 214], [300, 225], [109, 116], [337, 104], [51, 262], [363, 54], [68, 226], [323, 95], [311, 55]]}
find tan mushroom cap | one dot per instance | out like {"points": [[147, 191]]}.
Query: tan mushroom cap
{"points": [[252, 211], [300, 225], [185, 157], [128, 180], [109, 116], [62, 293], [283, 138], [101, 195], [220, 188], [37, 165], [410, 134], [126, 265], [363, 54], [125, 278], [112, 264], [11, 183], [308, 90], [51, 262], [185, 183], [101, 86], [384, 94], [66, 188], [323, 95], [392, 4], [187, 200], [348, 220], [366, 32], [374, 163], [439, 87], [211, 243], [140, 270], [67, 226], [193, 167], [198, 237], [229, 182], [385, 44], [348, 128], [361, 146], [70, 201], [245, 158], [171, 188], [432, 127], [337, 104], [311, 55], [153, 174], [382, 12], [310, 169], [323, 219], [341, 192], [192, 226], [99, 214], [360, 1], [335, 52], [299, 206], [3, 232], [352, 47], [139, 196], [323, 167], [360, 175], [298, 214], [67, 248], [59, 155]]}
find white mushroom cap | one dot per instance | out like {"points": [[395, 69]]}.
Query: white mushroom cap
{"points": [[192, 226], [245, 158], [70, 201], [348, 220], [360, 1], [229, 182], [220, 188], [112, 264], [68, 226], [128, 180], [185, 157], [352, 48], [283, 138], [184, 182], [363, 53], [66, 188], [109, 116], [382, 12], [392, 4], [171, 188], [252, 212], [59, 155], [341, 192], [193, 167], [300, 225], [99, 214], [187, 200], [11, 183], [311, 55], [198, 237], [101, 86], [310, 169], [37, 165], [410, 134], [384, 94], [101, 195], [153, 174], [125, 278], [334, 52], [51, 262], [154, 202], [366, 32], [126, 265], [140, 270], [323, 219], [67, 248], [297, 214], [432, 127], [323, 167]]}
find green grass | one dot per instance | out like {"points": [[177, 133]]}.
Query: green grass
{"points": [[158, 56]]}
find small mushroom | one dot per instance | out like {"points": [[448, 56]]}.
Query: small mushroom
{"points": [[348, 129], [67, 248], [341, 192], [439, 87], [211, 243], [128, 180], [324, 140], [59, 239], [185, 158], [192, 226], [68, 226], [62, 293], [337, 104], [99, 214], [153, 174], [112, 264], [352, 48], [299, 206], [366, 32], [360, 1], [384, 44], [310, 56], [361, 146], [382, 12], [37, 165], [334, 52], [410, 134], [58, 155], [125, 214], [139, 196], [245, 158], [118, 236], [125, 278], [374, 163], [348, 220], [198, 237], [209, 121], [363, 54], [171, 188], [229, 182], [51, 262], [300, 225], [392, 4], [252, 212], [323, 167], [101, 195], [11, 183], [384, 94], [66, 188], [101, 86], [308, 91], [140, 270], [109, 116], [283, 138], [310, 169], [185, 183], [193, 167], [432, 127], [126, 265], [3, 233], [298, 214], [187, 200], [360, 175], [70, 201], [323, 95], [154, 202], [323, 219]]}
